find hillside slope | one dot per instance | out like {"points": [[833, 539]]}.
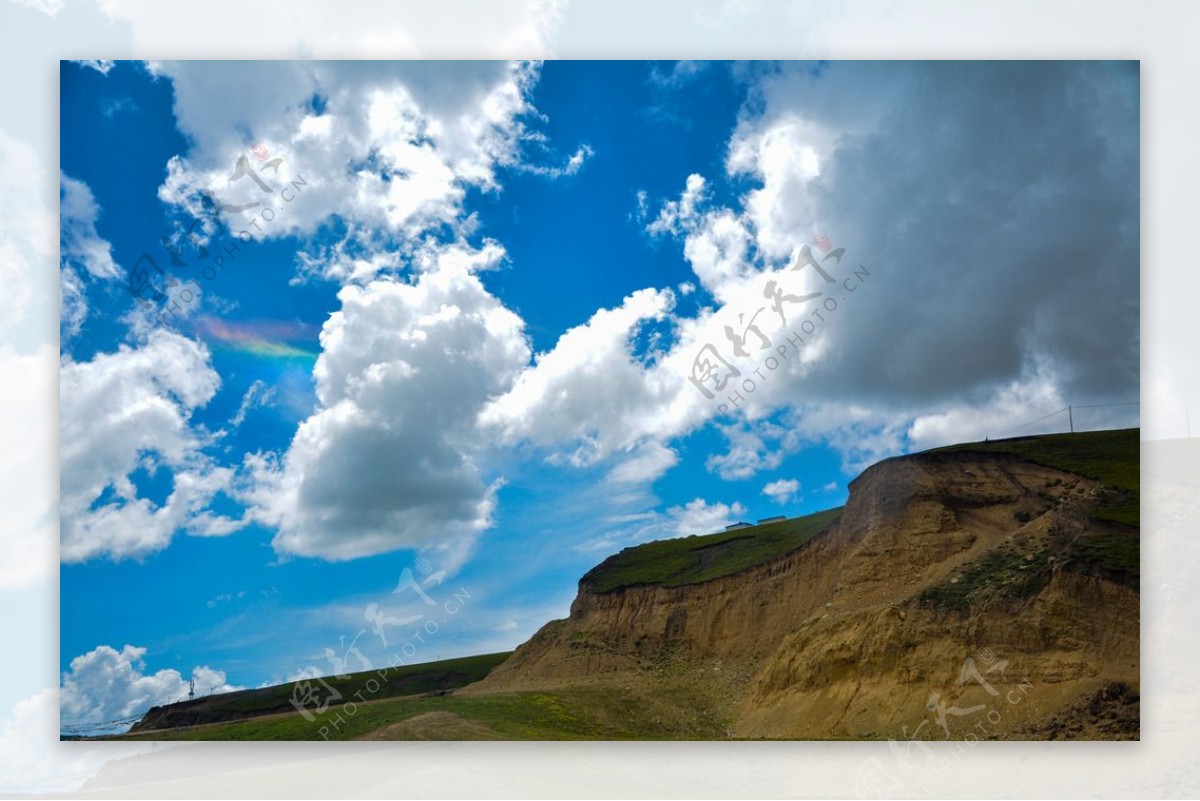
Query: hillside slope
{"points": [[426, 678], [1020, 556], [987, 590]]}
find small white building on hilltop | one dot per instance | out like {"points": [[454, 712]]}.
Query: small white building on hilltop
{"points": [[734, 526], [774, 519]]}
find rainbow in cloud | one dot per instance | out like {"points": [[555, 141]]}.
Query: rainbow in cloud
{"points": [[269, 339]]}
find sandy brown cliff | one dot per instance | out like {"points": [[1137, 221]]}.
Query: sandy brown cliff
{"points": [[958, 593]]}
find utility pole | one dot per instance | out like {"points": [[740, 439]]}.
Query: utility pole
{"points": [[192, 689], [1071, 417]]}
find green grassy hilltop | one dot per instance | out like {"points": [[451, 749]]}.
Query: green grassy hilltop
{"points": [[695, 559]]}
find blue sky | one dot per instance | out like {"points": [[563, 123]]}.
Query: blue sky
{"points": [[345, 397]]}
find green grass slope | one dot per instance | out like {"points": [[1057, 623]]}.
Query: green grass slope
{"points": [[405, 680], [583, 713], [695, 559]]}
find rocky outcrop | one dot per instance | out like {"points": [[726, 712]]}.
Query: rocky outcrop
{"points": [[949, 592]]}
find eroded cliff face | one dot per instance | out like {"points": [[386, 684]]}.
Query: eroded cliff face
{"points": [[946, 594]]}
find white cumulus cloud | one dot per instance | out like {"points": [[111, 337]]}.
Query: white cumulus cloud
{"points": [[106, 685], [82, 245], [591, 389], [701, 517], [85, 255], [647, 462], [379, 146], [782, 490], [127, 410], [388, 460]]}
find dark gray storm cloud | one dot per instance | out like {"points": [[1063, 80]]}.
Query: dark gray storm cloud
{"points": [[996, 204]]}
